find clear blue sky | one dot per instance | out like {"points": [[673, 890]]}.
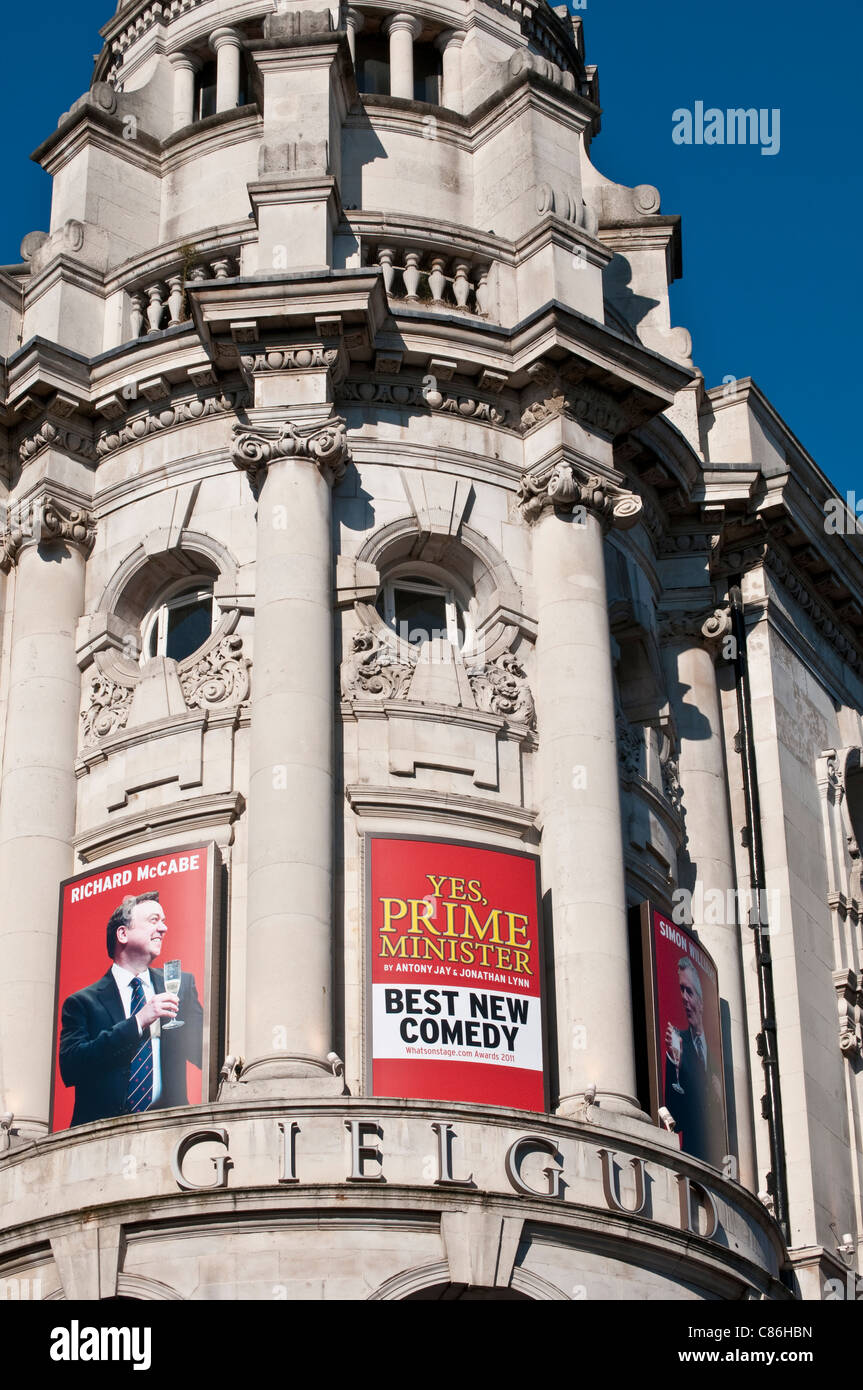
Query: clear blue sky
{"points": [[770, 279]]}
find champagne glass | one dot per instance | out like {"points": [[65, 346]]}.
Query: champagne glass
{"points": [[173, 976], [675, 1052]]}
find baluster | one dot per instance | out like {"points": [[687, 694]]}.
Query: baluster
{"points": [[175, 300], [461, 285], [156, 309], [482, 288], [136, 316], [385, 261], [197, 274], [222, 268], [412, 274], [437, 279]]}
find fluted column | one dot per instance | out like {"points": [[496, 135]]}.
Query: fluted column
{"points": [[450, 45], [289, 965], [227, 45], [38, 792], [185, 68], [689, 662], [578, 792], [354, 23], [402, 30]]}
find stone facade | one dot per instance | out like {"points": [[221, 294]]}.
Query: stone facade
{"points": [[253, 353]]}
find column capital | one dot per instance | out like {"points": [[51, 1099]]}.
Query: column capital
{"points": [[225, 37], [564, 487], [695, 627], [47, 519], [450, 38], [403, 23], [323, 443], [185, 62]]}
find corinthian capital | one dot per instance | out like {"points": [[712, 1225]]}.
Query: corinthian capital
{"points": [[562, 487], [324, 444], [47, 520]]}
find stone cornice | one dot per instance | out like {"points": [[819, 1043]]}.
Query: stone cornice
{"points": [[568, 488], [324, 444], [45, 519]]}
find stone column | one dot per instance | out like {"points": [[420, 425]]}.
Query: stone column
{"points": [[689, 663], [185, 68], [38, 792], [578, 790], [402, 30], [355, 23], [289, 980], [450, 45], [227, 46]]}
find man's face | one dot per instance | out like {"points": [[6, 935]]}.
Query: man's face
{"points": [[145, 931], [692, 1001]]}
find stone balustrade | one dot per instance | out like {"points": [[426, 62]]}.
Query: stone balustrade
{"points": [[418, 275], [161, 300]]}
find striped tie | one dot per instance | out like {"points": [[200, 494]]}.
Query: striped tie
{"points": [[141, 1073]]}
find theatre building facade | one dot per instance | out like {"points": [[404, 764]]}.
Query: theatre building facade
{"points": [[400, 634]]}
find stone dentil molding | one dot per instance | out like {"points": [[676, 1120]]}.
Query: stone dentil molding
{"points": [[255, 448], [47, 520], [562, 486]]}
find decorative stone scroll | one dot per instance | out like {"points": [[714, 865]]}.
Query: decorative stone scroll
{"points": [[51, 435], [108, 709], [501, 687], [326, 444], [49, 520], [374, 671], [221, 677], [561, 487]]}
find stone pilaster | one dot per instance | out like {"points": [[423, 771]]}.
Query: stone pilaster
{"points": [[289, 966], [47, 546], [578, 792]]}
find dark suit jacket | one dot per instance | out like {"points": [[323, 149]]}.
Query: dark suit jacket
{"points": [[698, 1112], [98, 1042]]}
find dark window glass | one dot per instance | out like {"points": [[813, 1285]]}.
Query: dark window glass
{"points": [[373, 65], [419, 617], [427, 73], [205, 92], [189, 626]]}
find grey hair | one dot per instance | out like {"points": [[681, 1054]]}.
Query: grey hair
{"points": [[686, 964]]}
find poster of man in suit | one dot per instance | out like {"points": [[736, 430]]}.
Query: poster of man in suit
{"points": [[128, 1037], [684, 1017]]}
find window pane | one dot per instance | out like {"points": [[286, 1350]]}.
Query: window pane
{"points": [[420, 617], [189, 626]]}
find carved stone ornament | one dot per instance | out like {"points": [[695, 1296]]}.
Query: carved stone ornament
{"points": [[300, 359], [108, 709], [561, 487], [47, 521], [500, 687], [221, 677], [431, 397], [583, 402], [374, 670], [178, 413], [50, 435], [326, 445], [630, 746]]}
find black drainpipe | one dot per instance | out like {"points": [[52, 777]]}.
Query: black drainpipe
{"points": [[768, 1050]]}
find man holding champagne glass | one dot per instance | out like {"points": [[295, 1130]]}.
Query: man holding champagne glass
{"points": [[122, 1045]]}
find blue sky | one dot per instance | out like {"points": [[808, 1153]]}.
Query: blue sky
{"points": [[769, 284]]}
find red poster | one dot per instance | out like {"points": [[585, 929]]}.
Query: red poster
{"points": [[456, 985], [687, 1042], [122, 928]]}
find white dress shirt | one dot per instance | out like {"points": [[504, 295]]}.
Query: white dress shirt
{"points": [[123, 980]]}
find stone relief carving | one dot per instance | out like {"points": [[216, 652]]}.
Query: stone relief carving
{"points": [[70, 441], [401, 394], [47, 520], [178, 413], [374, 670], [560, 486], [578, 399], [221, 677], [290, 360], [107, 711], [325, 444], [501, 687], [630, 746]]}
